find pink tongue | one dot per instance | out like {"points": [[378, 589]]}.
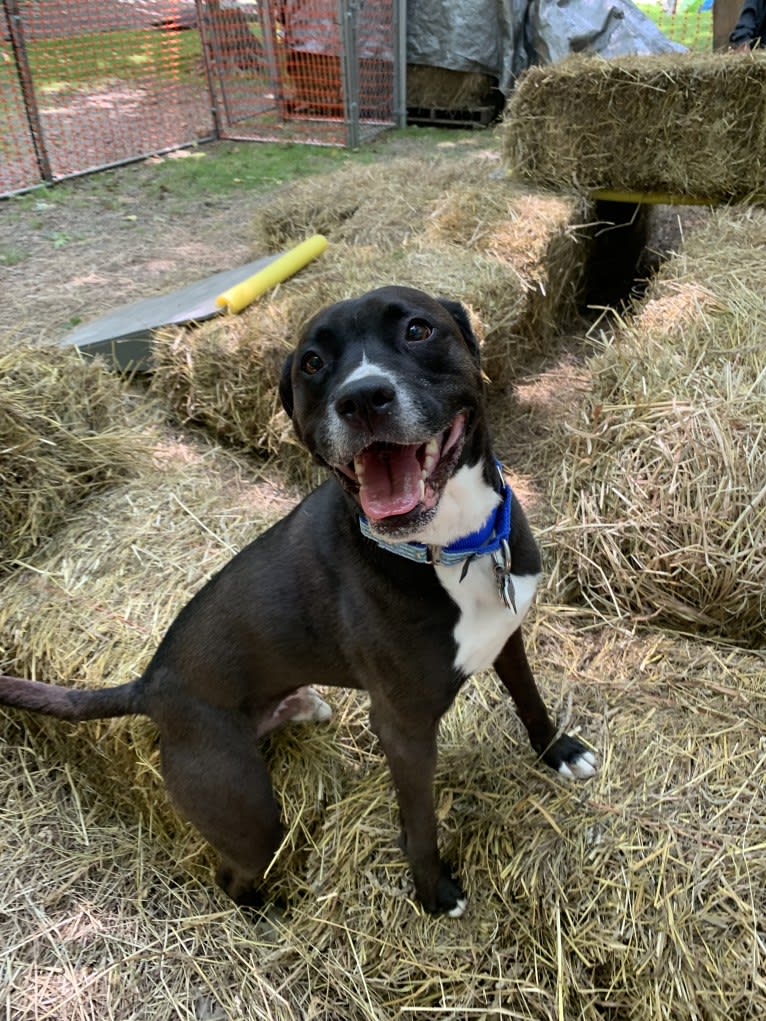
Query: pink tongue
{"points": [[391, 481]]}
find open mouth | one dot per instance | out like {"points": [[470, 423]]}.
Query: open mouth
{"points": [[392, 480]]}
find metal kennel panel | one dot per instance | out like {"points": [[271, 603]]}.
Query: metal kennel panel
{"points": [[236, 59], [19, 164], [108, 81], [320, 71], [375, 43], [88, 84]]}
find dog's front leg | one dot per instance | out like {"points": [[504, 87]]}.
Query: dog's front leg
{"points": [[410, 747], [566, 754]]}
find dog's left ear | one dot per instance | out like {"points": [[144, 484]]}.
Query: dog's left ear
{"points": [[460, 315], [286, 386]]}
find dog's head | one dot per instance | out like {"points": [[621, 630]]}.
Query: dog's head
{"points": [[386, 390]]}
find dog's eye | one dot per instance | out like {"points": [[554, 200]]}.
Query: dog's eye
{"points": [[418, 329], [311, 363]]}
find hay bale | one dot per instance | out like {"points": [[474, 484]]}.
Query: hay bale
{"points": [[382, 204], [65, 433], [100, 593], [647, 885], [441, 88], [542, 244], [661, 488], [687, 124], [516, 259], [449, 202], [224, 374]]}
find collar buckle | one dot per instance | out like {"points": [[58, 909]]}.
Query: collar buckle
{"points": [[434, 554]]}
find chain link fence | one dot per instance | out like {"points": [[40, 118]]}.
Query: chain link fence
{"points": [[87, 84]]}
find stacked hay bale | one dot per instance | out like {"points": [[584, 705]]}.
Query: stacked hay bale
{"points": [[627, 892], [640, 892], [382, 204], [98, 595], [65, 432], [662, 484], [689, 125], [441, 88], [536, 243], [446, 226]]}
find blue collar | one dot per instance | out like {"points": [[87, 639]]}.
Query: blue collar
{"points": [[493, 536]]}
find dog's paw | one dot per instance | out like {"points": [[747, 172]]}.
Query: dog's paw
{"points": [[460, 905], [447, 898], [301, 706], [571, 758], [314, 708], [239, 886]]}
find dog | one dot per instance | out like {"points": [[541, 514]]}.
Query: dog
{"points": [[406, 571]]}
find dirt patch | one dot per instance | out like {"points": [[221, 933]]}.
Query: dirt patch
{"points": [[83, 248], [80, 249]]}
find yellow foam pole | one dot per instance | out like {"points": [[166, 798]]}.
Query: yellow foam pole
{"points": [[243, 294], [656, 198]]}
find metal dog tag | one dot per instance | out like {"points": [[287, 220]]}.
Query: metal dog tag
{"points": [[501, 563]]}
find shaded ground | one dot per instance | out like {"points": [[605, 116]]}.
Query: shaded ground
{"points": [[106, 243], [81, 248]]}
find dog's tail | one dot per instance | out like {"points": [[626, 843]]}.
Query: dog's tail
{"points": [[73, 703]]}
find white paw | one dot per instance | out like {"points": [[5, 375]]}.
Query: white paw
{"points": [[580, 768], [314, 709], [459, 908]]}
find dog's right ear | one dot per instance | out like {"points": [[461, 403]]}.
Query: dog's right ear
{"points": [[286, 386], [460, 314]]}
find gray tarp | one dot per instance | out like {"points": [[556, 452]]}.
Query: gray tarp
{"points": [[610, 28], [502, 37], [469, 35]]}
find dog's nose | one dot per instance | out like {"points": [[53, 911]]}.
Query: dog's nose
{"points": [[364, 402]]}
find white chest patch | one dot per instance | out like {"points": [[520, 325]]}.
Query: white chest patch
{"points": [[466, 503], [485, 623]]}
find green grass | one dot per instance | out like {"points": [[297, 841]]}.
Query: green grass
{"points": [[222, 167], [60, 64], [692, 27], [10, 255], [39, 199]]}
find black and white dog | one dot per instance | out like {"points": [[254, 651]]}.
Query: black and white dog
{"points": [[408, 571]]}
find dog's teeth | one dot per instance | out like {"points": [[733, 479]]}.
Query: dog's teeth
{"points": [[421, 490], [359, 469], [431, 457]]}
